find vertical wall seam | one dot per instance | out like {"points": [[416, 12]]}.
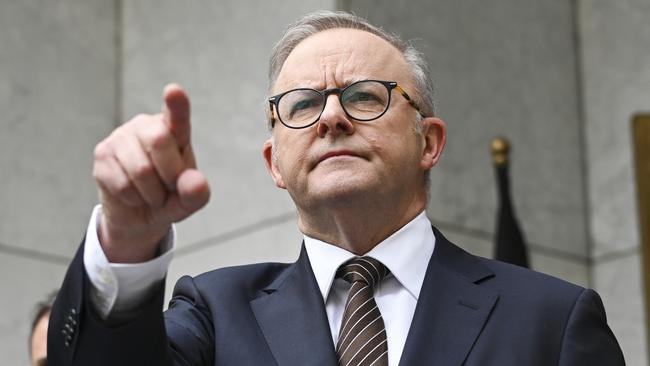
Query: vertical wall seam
{"points": [[582, 136], [118, 39]]}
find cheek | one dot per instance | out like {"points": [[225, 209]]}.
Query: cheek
{"points": [[378, 148], [283, 149], [388, 144], [290, 161], [398, 149]]}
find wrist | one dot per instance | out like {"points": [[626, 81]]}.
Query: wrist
{"points": [[130, 245]]}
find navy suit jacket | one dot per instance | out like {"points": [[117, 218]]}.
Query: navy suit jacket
{"points": [[471, 311]]}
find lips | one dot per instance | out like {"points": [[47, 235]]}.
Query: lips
{"points": [[332, 154]]}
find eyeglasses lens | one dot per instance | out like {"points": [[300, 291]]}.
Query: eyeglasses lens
{"points": [[300, 107], [364, 101]]}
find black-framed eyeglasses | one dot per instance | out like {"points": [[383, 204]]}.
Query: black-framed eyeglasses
{"points": [[364, 100]]}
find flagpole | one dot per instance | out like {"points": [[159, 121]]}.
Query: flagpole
{"points": [[509, 240]]}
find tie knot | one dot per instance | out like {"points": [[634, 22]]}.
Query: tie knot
{"points": [[363, 269]]}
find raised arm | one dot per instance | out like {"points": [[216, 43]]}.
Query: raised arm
{"points": [[147, 178]]}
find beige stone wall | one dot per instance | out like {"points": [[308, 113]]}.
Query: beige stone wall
{"points": [[560, 79], [615, 55], [57, 97]]}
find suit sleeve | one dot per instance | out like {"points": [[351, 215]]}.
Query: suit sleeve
{"points": [[77, 335], [588, 340]]}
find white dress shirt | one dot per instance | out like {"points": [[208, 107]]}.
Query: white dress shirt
{"points": [[118, 288], [406, 254]]}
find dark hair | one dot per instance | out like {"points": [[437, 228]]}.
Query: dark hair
{"points": [[41, 309]]}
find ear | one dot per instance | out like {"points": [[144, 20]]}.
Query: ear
{"points": [[267, 152], [434, 133]]}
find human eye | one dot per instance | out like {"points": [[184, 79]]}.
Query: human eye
{"points": [[302, 105], [360, 96], [365, 94], [365, 99]]}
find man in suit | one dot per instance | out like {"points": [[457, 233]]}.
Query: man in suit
{"points": [[353, 137]]}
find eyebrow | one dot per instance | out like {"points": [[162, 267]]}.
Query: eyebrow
{"points": [[343, 84], [41, 362], [354, 79]]}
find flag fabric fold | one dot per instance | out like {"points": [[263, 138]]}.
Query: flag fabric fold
{"points": [[510, 245]]}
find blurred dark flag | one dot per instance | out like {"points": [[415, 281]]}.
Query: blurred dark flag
{"points": [[509, 245]]}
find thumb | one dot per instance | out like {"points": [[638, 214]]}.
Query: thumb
{"points": [[176, 113]]}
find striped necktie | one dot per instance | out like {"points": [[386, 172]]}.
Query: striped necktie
{"points": [[362, 337]]}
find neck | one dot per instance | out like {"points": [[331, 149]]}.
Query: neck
{"points": [[359, 226]]}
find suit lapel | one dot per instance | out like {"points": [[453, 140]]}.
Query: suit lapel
{"points": [[291, 314], [452, 309]]}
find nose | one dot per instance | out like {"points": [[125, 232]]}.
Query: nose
{"points": [[334, 120]]}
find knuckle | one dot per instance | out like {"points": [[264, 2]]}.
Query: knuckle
{"points": [[122, 187], [97, 176], [158, 136], [118, 134], [102, 151], [137, 121], [142, 170]]}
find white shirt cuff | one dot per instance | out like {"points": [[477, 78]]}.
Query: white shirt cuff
{"points": [[120, 287]]}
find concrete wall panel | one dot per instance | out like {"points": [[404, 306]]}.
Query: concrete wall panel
{"points": [[615, 39], [615, 49], [619, 284], [57, 97]]}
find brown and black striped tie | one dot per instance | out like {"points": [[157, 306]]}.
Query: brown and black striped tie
{"points": [[362, 338]]}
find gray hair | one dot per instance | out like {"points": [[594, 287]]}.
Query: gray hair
{"points": [[322, 20]]}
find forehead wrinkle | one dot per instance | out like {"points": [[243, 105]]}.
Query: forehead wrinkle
{"points": [[348, 72], [334, 70]]}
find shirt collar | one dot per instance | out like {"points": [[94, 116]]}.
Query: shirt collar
{"points": [[406, 254]]}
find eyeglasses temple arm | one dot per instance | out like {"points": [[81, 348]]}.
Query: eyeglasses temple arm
{"points": [[271, 114], [409, 100]]}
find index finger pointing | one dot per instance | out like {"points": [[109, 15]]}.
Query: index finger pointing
{"points": [[176, 113]]}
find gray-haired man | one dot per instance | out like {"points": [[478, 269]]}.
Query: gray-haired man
{"points": [[353, 138]]}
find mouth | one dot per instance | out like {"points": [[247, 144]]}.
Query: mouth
{"points": [[335, 154]]}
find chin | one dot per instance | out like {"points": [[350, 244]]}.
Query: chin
{"points": [[344, 188]]}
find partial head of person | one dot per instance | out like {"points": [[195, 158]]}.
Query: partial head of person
{"points": [[38, 334], [352, 120]]}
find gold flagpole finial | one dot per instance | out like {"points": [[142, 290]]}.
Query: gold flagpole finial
{"points": [[500, 149]]}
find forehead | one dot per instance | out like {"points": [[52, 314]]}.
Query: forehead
{"points": [[39, 338], [337, 57]]}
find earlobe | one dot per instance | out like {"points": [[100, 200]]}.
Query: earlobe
{"points": [[434, 135], [271, 167]]}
